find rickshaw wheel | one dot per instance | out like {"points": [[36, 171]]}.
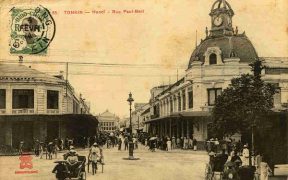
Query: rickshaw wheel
{"points": [[208, 172]]}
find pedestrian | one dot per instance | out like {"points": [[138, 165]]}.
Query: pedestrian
{"points": [[258, 160], [194, 144], [173, 143], [136, 143], [21, 147], [185, 143], [36, 147], [178, 142], [94, 156], [245, 154], [126, 143], [55, 148], [66, 143], [41, 149], [265, 170], [169, 148], [164, 143], [146, 142], [119, 144], [190, 143], [61, 146], [50, 150]]}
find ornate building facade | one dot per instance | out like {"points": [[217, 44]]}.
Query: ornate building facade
{"points": [[108, 122], [184, 108]]}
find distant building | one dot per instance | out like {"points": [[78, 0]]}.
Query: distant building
{"points": [[137, 118], [108, 121], [35, 105]]}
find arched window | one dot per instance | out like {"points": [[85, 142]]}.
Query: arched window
{"points": [[212, 59]]}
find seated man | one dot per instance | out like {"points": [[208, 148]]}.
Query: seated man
{"points": [[72, 161], [236, 159], [61, 170], [220, 161]]}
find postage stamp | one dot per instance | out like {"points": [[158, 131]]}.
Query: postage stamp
{"points": [[32, 30]]}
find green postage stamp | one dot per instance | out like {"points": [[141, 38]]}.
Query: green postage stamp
{"points": [[32, 30]]}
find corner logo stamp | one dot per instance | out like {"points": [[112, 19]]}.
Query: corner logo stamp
{"points": [[32, 30]]}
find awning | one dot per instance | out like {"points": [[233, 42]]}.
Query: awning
{"points": [[57, 117], [182, 115]]}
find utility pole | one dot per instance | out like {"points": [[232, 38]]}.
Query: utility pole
{"points": [[67, 87]]}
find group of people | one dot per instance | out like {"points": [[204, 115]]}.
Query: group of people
{"points": [[168, 144], [124, 139], [235, 159], [70, 166]]}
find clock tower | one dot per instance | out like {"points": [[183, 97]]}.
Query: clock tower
{"points": [[221, 19]]}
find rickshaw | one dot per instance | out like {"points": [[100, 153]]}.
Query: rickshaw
{"points": [[215, 167], [230, 172], [78, 174]]}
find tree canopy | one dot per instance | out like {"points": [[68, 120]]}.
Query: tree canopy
{"points": [[242, 104]]}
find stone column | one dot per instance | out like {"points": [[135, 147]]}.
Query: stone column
{"points": [[170, 128], [188, 129], [177, 128], [181, 101], [187, 98], [9, 98], [160, 108], [169, 106], [175, 103], [163, 107]]}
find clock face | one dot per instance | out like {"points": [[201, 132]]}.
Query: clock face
{"points": [[218, 21]]}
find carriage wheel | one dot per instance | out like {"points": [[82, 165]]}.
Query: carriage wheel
{"points": [[83, 176], [208, 172]]}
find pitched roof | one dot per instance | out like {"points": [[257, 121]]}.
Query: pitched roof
{"points": [[107, 114], [21, 72]]}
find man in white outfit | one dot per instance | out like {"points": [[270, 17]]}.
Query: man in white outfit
{"points": [[245, 154]]}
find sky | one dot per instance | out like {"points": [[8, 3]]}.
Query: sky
{"points": [[153, 44]]}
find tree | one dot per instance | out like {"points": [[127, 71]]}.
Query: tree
{"points": [[241, 105]]}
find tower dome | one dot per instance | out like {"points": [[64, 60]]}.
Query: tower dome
{"points": [[223, 37]]}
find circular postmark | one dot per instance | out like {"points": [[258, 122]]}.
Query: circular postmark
{"points": [[32, 30]]}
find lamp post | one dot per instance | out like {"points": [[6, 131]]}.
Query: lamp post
{"points": [[131, 145], [130, 100]]}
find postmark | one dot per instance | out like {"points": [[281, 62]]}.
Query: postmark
{"points": [[32, 30]]}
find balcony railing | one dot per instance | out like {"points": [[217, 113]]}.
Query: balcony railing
{"points": [[2, 111], [23, 111], [52, 111]]}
